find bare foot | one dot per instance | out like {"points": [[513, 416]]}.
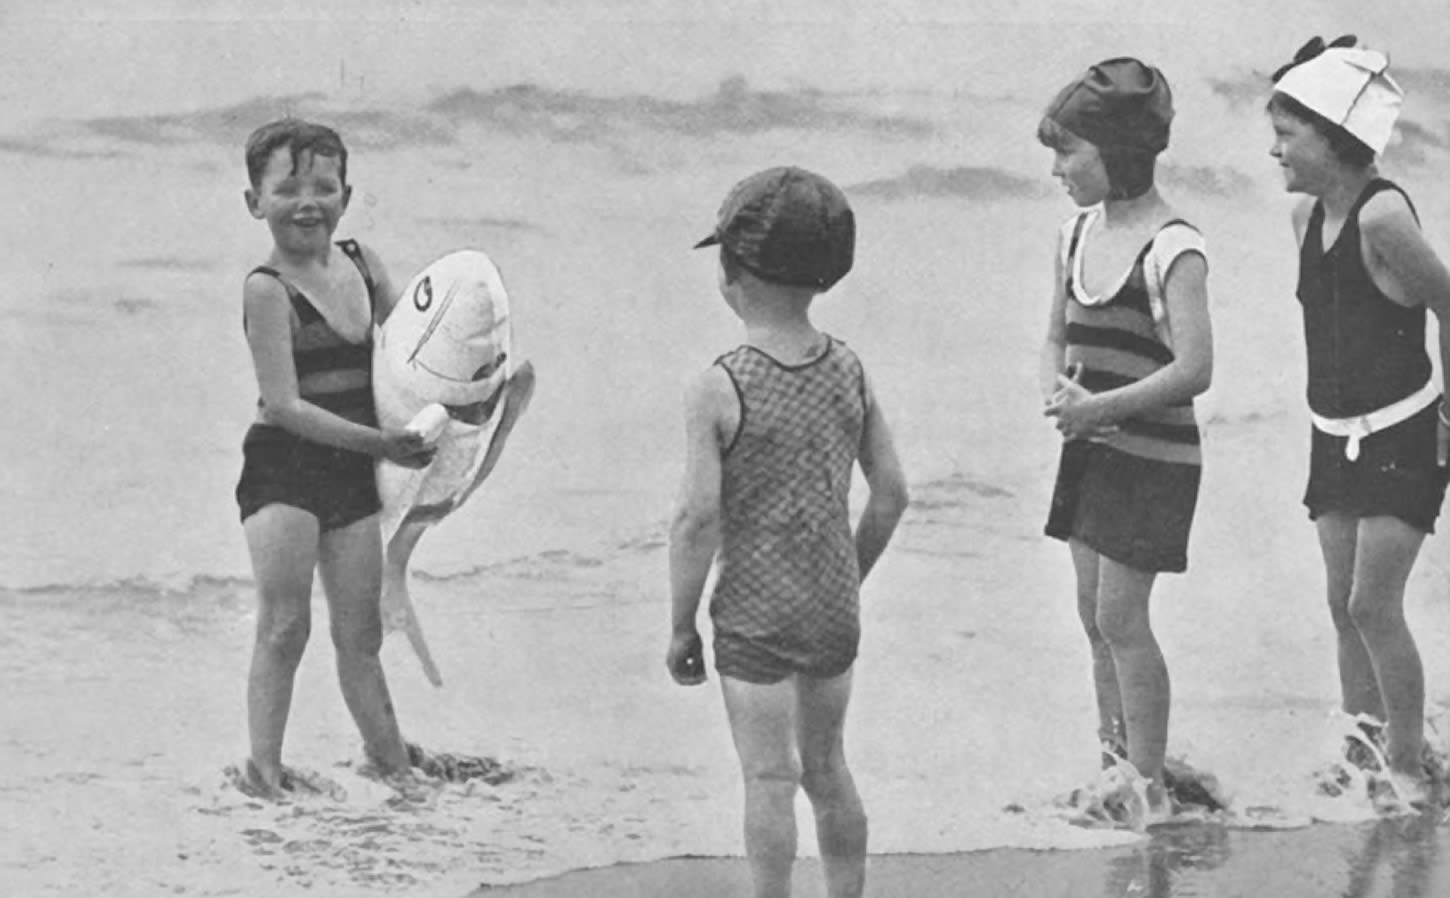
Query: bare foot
{"points": [[253, 783]]}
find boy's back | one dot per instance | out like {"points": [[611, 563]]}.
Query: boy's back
{"points": [[773, 430], [788, 579]]}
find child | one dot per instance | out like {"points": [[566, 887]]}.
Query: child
{"points": [[307, 493], [1378, 441], [774, 429], [1128, 346]]}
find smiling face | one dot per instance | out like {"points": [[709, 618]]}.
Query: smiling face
{"points": [[1079, 166], [1303, 153], [301, 201]]}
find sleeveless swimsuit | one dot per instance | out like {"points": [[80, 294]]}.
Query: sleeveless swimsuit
{"points": [[787, 596], [1128, 495], [335, 485], [1364, 352]]}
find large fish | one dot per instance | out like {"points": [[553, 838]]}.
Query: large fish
{"points": [[441, 365]]}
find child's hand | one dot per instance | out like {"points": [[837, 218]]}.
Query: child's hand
{"points": [[407, 448], [1078, 416], [686, 659]]}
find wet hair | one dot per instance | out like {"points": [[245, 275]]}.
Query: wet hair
{"points": [[1347, 148], [1130, 171], [298, 136]]}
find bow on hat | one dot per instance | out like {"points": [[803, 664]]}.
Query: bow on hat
{"points": [[1312, 48]]}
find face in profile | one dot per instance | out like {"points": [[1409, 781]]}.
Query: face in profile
{"points": [[1079, 166], [301, 202], [1303, 153]]}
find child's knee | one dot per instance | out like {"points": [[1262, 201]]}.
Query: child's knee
{"points": [[773, 774], [1339, 611], [1121, 626], [284, 633], [1089, 619], [1372, 613], [822, 778], [357, 639]]}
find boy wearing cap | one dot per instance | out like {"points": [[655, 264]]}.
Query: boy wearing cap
{"points": [[1129, 345], [1380, 430], [773, 430]]}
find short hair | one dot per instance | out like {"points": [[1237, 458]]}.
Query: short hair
{"points": [[730, 264], [1130, 170], [298, 136], [1347, 148]]}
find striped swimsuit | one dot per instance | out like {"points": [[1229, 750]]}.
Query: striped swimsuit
{"points": [[787, 596], [336, 485], [1129, 495]]}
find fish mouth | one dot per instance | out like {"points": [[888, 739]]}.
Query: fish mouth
{"points": [[476, 413]]}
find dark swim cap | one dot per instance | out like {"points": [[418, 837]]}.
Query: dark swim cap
{"points": [[1120, 103]]}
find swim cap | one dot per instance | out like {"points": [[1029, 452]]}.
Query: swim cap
{"points": [[1348, 85], [1121, 103]]}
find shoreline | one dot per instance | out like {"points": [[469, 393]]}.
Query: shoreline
{"points": [[1410, 856]]}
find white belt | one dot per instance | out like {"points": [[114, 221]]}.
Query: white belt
{"points": [[1361, 426]]}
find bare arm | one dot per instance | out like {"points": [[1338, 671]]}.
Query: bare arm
{"points": [[1054, 348], [1406, 268], [695, 525], [269, 336], [1081, 413], [1185, 293], [887, 483]]}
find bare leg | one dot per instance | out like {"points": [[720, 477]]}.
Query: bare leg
{"points": [[762, 722], [840, 818], [282, 541], [1123, 594], [1359, 690], [1105, 674], [1386, 552], [350, 561]]}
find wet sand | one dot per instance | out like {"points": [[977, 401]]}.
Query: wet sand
{"points": [[1387, 859]]}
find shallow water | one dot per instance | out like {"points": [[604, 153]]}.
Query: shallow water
{"points": [[1389, 859]]}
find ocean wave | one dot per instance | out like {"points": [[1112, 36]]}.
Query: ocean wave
{"points": [[1416, 143], [1432, 84], [1210, 180], [168, 263], [142, 587], [520, 109], [46, 148], [971, 182], [1243, 89], [481, 223], [734, 108]]}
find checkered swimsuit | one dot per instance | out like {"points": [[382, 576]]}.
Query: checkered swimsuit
{"points": [[788, 581]]}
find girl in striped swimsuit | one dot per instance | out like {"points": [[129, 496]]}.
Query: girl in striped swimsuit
{"points": [[1129, 345]]}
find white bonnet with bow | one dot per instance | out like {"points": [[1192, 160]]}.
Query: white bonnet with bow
{"points": [[1348, 85]]}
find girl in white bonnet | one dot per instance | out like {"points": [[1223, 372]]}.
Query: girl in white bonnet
{"points": [[1380, 428]]}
